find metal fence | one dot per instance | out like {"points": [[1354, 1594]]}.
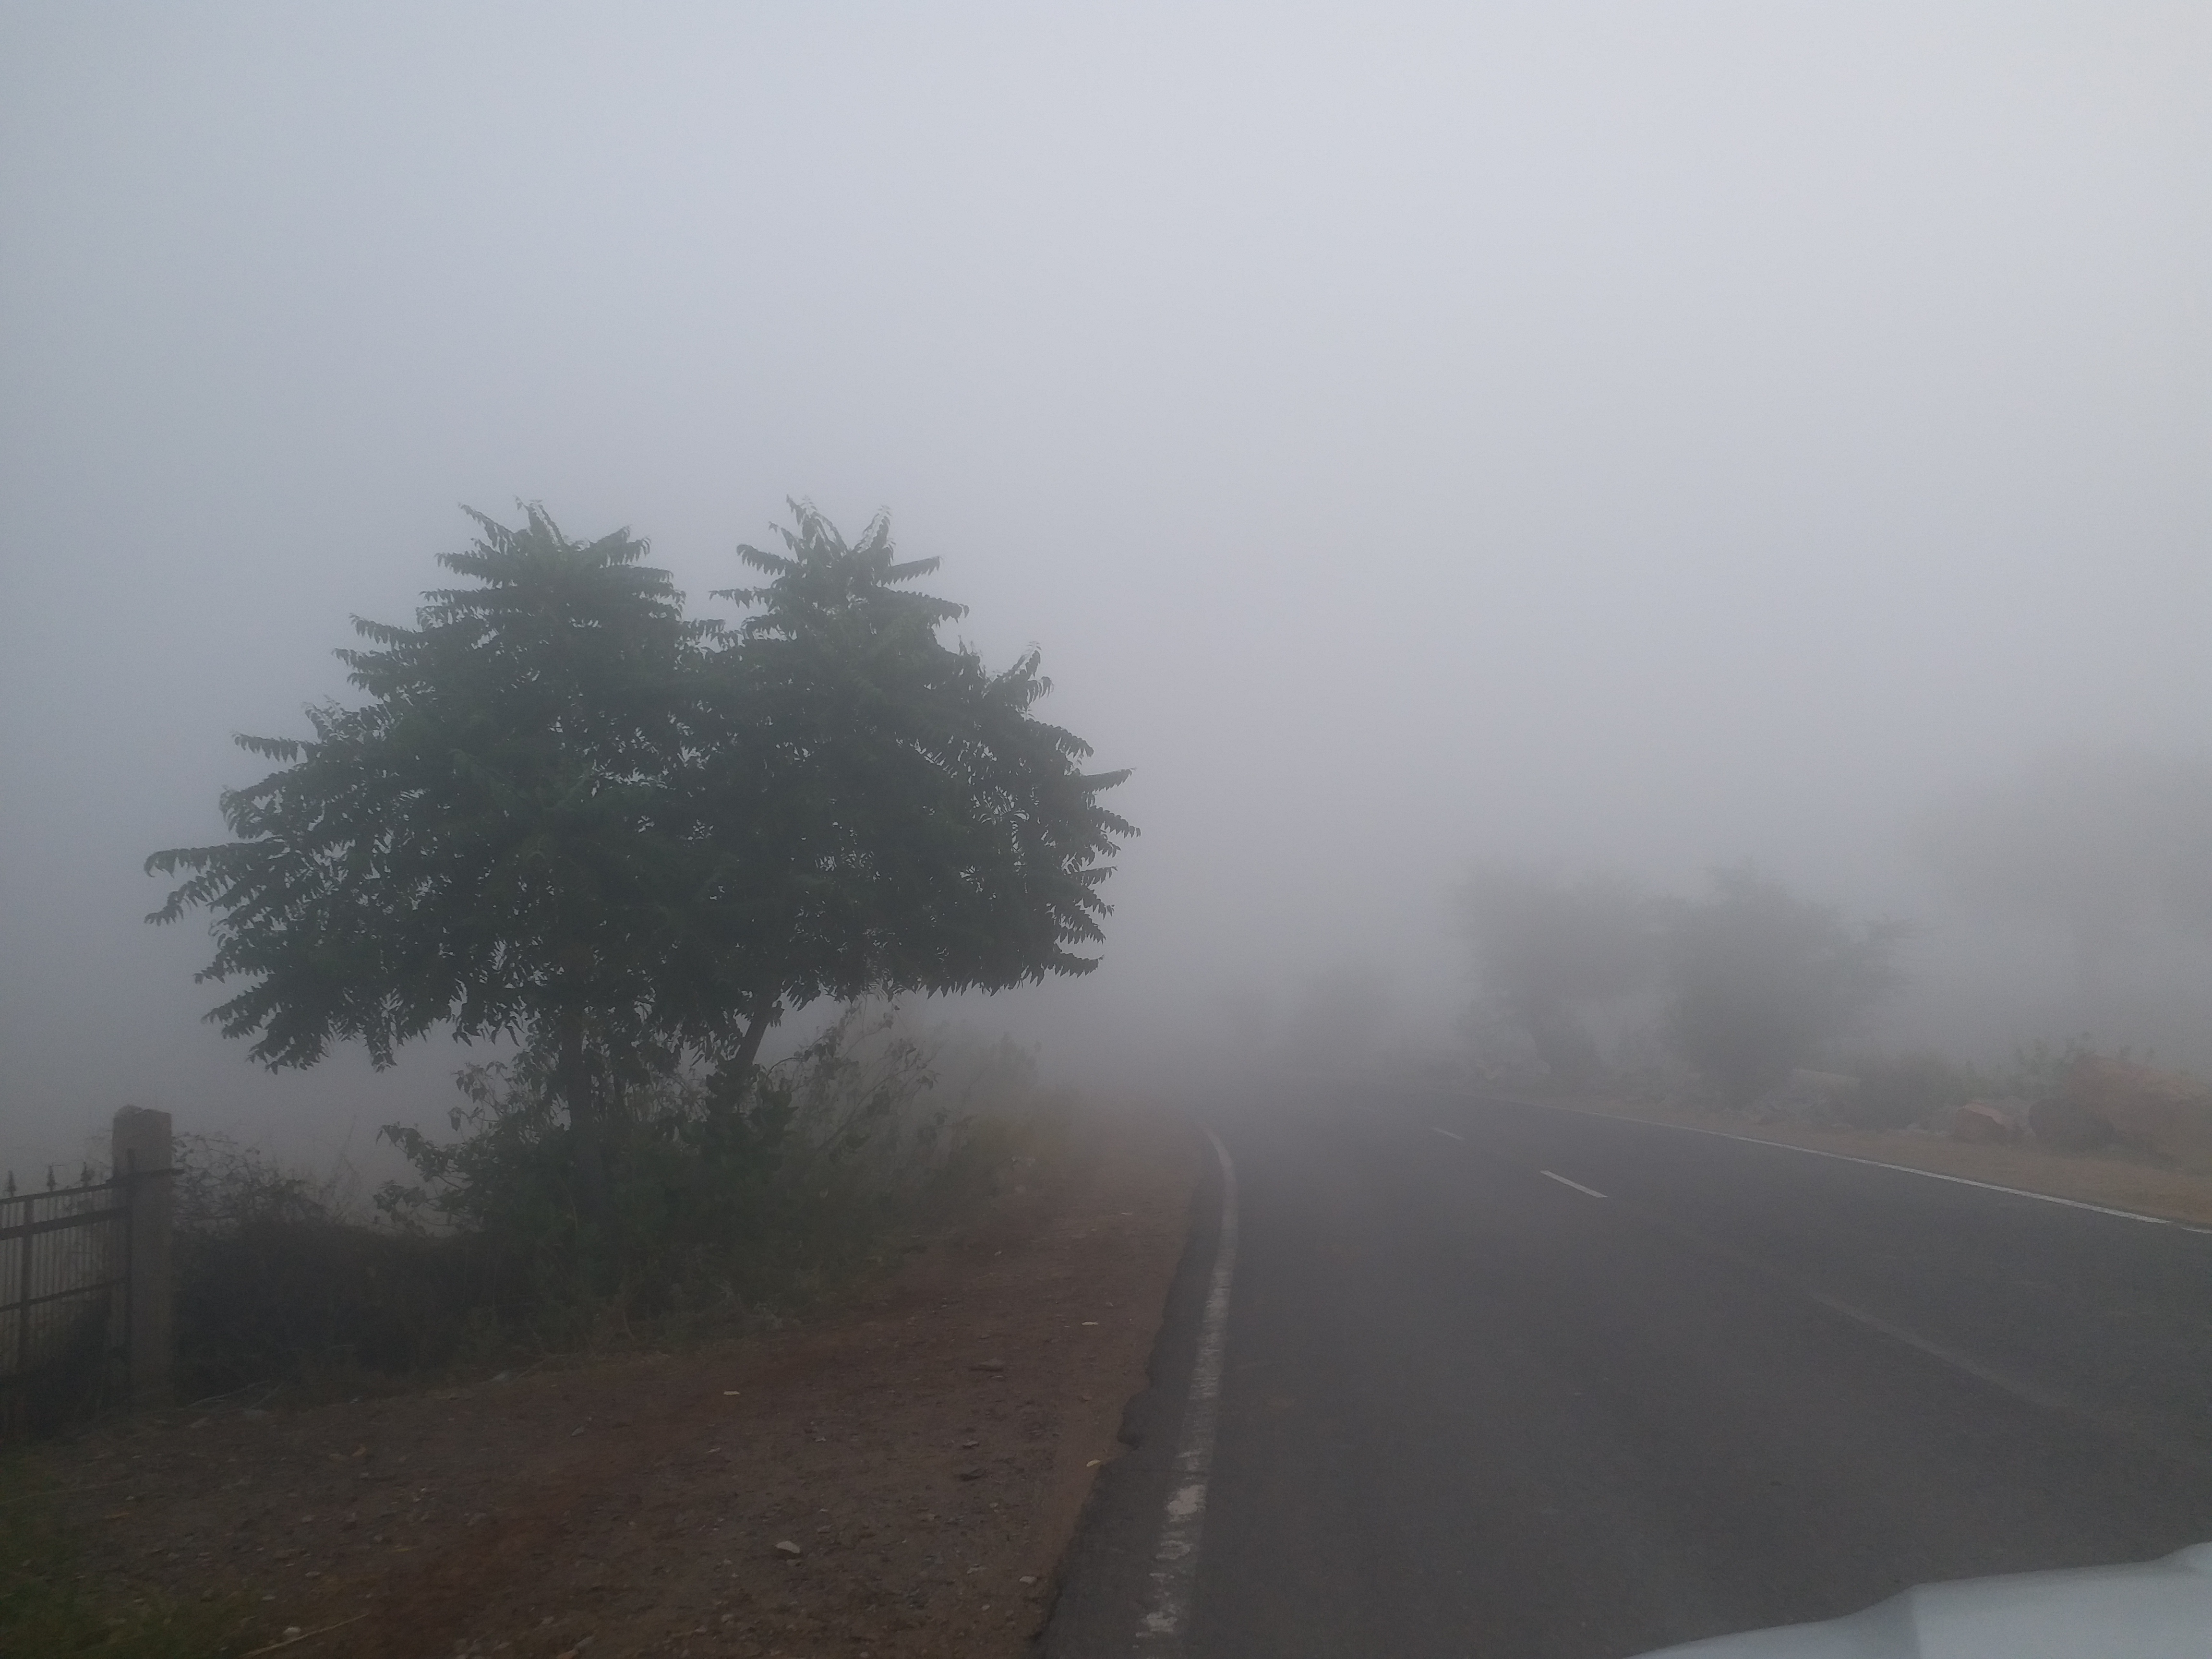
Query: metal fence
{"points": [[64, 1287]]}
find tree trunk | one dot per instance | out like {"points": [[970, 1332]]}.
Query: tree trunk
{"points": [[594, 1200], [766, 1013]]}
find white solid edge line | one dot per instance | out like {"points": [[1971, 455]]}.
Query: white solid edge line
{"points": [[1449, 1135], [1175, 1560], [1876, 1164], [1576, 1185]]}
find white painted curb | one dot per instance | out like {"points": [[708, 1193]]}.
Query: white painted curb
{"points": [[1175, 1560]]}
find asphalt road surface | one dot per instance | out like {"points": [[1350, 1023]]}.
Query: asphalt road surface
{"points": [[1504, 1381]]}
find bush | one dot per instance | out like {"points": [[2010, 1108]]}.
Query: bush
{"points": [[721, 1207], [274, 1280], [1895, 1092], [704, 1185], [2038, 1072]]}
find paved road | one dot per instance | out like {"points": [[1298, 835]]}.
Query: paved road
{"points": [[1468, 1408]]}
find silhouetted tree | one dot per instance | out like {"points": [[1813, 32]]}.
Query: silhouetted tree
{"points": [[1548, 950], [569, 814], [1756, 980], [488, 841], [885, 814]]}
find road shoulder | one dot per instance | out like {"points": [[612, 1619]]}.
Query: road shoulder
{"points": [[899, 1478], [2116, 1179]]}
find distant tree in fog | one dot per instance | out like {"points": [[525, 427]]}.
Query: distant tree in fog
{"points": [[2101, 846], [1756, 980], [1547, 950], [568, 814]]}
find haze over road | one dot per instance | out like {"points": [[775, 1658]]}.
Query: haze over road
{"points": [[1502, 1380]]}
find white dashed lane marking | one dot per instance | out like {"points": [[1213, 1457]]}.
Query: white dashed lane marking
{"points": [[1576, 1185]]}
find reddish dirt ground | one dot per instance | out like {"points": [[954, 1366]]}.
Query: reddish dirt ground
{"points": [[897, 1478]]}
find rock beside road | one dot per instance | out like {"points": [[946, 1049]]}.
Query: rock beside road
{"points": [[1983, 1124]]}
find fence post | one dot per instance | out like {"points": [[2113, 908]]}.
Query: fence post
{"points": [[142, 1164]]}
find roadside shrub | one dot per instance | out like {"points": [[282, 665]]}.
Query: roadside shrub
{"points": [[2164, 1116], [2039, 1071], [1897, 1090], [722, 1207], [711, 1192], [276, 1280]]}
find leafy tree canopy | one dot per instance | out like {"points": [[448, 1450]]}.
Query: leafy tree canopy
{"points": [[486, 840], [568, 814], [886, 814]]}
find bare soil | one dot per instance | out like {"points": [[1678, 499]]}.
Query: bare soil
{"points": [[2124, 1179], [900, 1477]]}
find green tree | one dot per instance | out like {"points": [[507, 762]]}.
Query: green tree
{"points": [[886, 814], [486, 842], [1757, 980], [570, 816], [1549, 950]]}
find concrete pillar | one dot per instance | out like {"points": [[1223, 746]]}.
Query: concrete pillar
{"points": [[141, 1164]]}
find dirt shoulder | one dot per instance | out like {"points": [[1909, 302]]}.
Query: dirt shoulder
{"points": [[898, 1477], [2123, 1180]]}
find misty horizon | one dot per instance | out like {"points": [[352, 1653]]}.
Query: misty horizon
{"points": [[1597, 439]]}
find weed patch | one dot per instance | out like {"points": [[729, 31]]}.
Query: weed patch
{"points": [[724, 1211], [50, 1608]]}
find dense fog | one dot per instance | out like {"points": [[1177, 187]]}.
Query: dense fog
{"points": [[1616, 439]]}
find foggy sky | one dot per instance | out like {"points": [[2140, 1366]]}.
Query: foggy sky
{"points": [[1651, 435]]}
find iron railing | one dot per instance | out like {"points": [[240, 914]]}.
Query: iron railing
{"points": [[65, 1276]]}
